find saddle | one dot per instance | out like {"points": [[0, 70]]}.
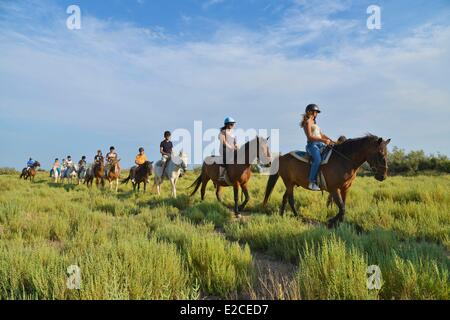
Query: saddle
{"points": [[218, 160], [325, 154]]}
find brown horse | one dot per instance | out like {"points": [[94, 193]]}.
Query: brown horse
{"points": [[339, 172], [99, 172], [114, 174], [141, 175], [239, 172], [31, 173]]}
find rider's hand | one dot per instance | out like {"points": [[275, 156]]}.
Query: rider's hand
{"points": [[327, 142]]}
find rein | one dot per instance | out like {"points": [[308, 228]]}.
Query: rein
{"points": [[341, 154]]}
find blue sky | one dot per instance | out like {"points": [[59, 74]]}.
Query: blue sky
{"points": [[137, 68]]}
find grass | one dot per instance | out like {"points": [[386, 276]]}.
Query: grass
{"points": [[141, 246]]}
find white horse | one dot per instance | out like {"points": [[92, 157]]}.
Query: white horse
{"points": [[55, 173], [174, 167], [69, 173]]}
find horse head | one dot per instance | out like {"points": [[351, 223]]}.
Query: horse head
{"points": [[181, 160], [377, 158]]}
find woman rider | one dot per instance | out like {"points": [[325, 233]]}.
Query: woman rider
{"points": [[141, 158], [316, 141], [227, 145]]}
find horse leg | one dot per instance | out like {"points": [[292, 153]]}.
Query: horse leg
{"points": [[219, 193], [203, 190], [236, 199], [291, 200], [333, 222], [117, 184], [174, 191], [283, 203], [247, 197]]}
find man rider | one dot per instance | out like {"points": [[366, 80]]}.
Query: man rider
{"points": [[69, 162], [30, 163], [82, 162], [141, 158], [99, 156], [110, 157], [165, 149]]}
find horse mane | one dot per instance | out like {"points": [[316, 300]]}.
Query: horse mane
{"points": [[354, 144]]}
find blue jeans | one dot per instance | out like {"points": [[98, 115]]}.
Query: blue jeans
{"points": [[313, 148]]}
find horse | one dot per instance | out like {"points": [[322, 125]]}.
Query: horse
{"points": [[89, 175], [114, 174], [172, 171], [99, 172], [81, 174], [55, 173], [30, 173], [69, 173], [142, 174], [238, 173], [339, 172]]}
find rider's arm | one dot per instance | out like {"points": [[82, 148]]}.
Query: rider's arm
{"points": [[162, 152], [326, 137]]}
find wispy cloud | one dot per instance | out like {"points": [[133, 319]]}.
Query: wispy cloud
{"points": [[128, 84]]}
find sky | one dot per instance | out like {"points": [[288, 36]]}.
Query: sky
{"points": [[139, 67]]}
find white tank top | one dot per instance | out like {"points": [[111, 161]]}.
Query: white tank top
{"points": [[315, 131], [229, 137]]}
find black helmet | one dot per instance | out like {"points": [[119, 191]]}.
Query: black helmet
{"points": [[112, 148], [83, 157], [141, 149], [312, 107], [69, 157], [167, 134]]}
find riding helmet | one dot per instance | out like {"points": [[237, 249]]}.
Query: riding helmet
{"points": [[312, 107], [229, 120], [141, 149], [112, 148]]}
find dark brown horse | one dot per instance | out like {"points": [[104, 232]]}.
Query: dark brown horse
{"points": [[339, 172], [99, 172], [239, 172], [30, 173], [141, 175]]}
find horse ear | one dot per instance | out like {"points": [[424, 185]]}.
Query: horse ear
{"points": [[380, 140], [387, 141], [268, 138]]}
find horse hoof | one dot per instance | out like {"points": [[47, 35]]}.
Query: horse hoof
{"points": [[332, 223]]}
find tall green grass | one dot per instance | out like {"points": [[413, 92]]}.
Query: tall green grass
{"points": [[141, 246]]}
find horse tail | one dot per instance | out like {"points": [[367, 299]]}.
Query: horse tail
{"points": [[125, 181], [197, 183], [270, 185]]}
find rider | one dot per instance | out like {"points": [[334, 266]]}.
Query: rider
{"points": [[99, 156], [30, 163], [141, 158], [69, 162], [165, 148], [82, 162], [57, 165], [228, 145], [316, 141], [110, 157]]}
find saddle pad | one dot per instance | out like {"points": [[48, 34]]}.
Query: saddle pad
{"points": [[304, 156]]}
